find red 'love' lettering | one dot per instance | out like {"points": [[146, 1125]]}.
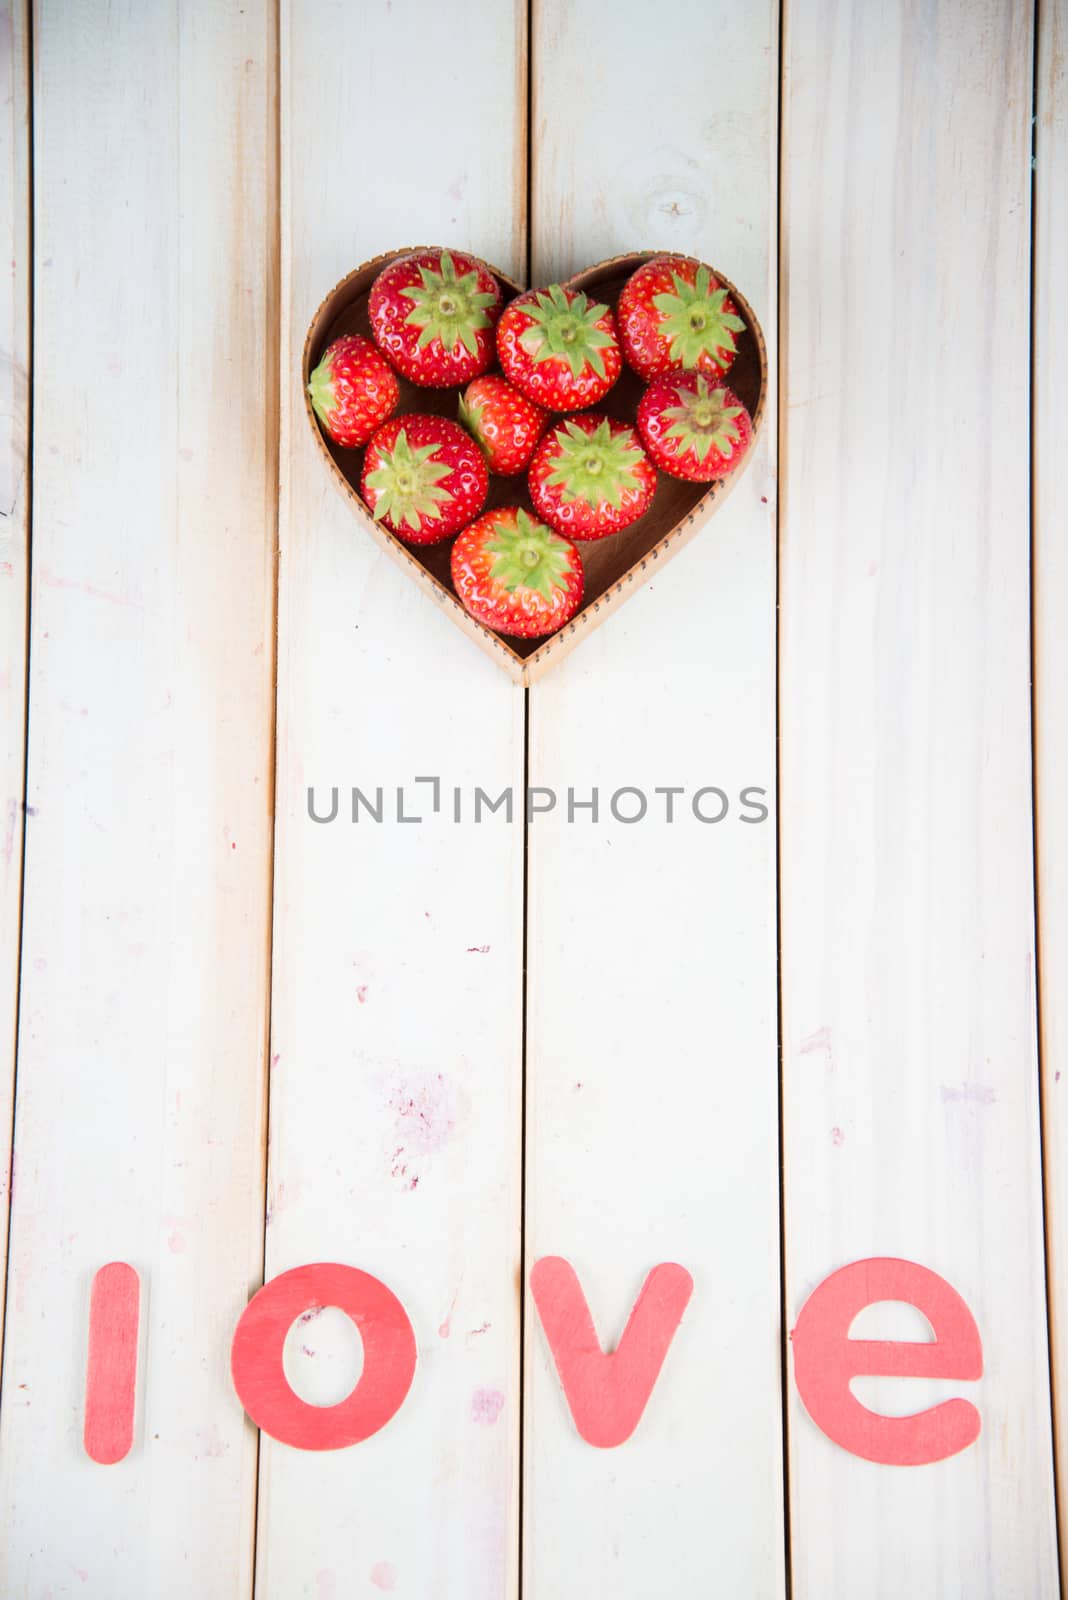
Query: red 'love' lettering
{"points": [[607, 1392]]}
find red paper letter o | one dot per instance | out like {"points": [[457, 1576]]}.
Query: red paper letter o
{"points": [[389, 1354]]}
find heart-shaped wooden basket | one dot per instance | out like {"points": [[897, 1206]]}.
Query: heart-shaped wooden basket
{"points": [[613, 566]]}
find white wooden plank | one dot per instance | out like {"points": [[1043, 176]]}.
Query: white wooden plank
{"points": [[395, 1091], [911, 1116], [1050, 558], [141, 1067], [14, 529], [652, 1073]]}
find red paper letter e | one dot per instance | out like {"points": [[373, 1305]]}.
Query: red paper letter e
{"points": [[826, 1358]]}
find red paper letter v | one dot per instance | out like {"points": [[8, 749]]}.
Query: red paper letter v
{"points": [[608, 1393]]}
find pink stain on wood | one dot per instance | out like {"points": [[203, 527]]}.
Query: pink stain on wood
{"points": [[48, 577], [976, 1093], [111, 1374], [820, 1040], [9, 832], [486, 1406], [399, 1170], [445, 1328], [361, 994], [837, 1137], [326, 1583], [285, 1195], [384, 1575], [428, 1110], [176, 1243], [211, 1443]]}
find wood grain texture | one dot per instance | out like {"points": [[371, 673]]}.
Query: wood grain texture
{"points": [[395, 1086], [141, 1065], [1050, 591], [14, 536], [652, 1082], [911, 1105]]}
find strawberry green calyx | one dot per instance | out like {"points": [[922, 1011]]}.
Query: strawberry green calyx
{"points": [[703, 421], [448, 307], [321, 388], [529, 555], [409, 490], [566, 330], [596, 467], [695, 319], [469, 414]]}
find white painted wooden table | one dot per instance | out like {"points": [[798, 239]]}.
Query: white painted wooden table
{"points": [[236, 1042]]}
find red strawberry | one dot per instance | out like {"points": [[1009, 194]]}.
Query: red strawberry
{"points": [[352, 390], [503, 422], [693, 430], [559, 348], [424, 478], [516, 575], [591, 477], [674, 315], [433, 313]]}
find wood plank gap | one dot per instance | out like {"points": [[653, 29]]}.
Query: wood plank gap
{"points": [[27, 68], [528, 223], [272, 424], [528, 205], [780, 435], [523, 1122], [1054, 1405]]}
